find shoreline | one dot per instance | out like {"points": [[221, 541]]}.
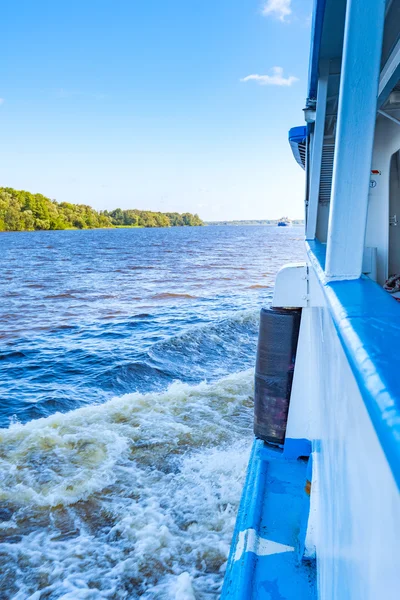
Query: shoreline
{"points": [[206, 224]]}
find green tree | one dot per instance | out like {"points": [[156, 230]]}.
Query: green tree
{"points": [[22, 211]]}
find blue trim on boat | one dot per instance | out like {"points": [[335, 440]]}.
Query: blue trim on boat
{"points": [[294, 448], [248, 517], [316, 36], [264, 562], [317, 255], [297, 135], [367, 320]]}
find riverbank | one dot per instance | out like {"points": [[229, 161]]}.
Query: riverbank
{"points": [[22, 211], [255, 222]]}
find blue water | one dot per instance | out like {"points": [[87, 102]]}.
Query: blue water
{"points": [[128, 355]]}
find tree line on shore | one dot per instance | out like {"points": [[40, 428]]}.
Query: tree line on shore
{"points": [[255, 222], [23, 211]]}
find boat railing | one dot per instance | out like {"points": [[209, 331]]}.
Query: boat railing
{"points": [[367, 322]]}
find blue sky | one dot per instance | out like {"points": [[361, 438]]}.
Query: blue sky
{"points": [[156, 104]]}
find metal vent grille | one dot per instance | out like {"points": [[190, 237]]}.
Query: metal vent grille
{"points": [[302, 152], [325, 184]]}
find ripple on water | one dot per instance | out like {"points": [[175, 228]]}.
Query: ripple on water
{"points": [[133, 496], [128, 498]]}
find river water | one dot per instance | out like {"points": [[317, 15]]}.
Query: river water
{"points": [[126, 371]]}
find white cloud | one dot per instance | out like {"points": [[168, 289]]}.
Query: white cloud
{"points": [[276, 78], [278, 8]]}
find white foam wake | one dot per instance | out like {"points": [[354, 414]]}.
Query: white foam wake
{"points": [[133, 498]]}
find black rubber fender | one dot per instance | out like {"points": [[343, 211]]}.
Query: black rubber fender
{"points": [[276, 355]]}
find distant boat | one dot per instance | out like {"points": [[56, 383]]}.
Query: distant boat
{"points": [[284, 222]]}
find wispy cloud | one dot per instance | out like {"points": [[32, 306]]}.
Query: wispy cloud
{"points": [[277, 8], [276, 78], [1, 101]]}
